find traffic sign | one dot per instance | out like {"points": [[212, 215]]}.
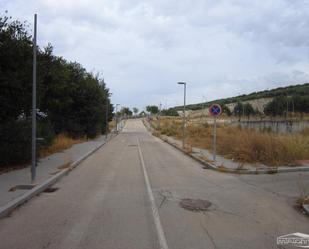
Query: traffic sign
{"points": [[215, 110]]}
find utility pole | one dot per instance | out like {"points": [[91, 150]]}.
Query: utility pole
{"points": [[116, 117], [106, 116], [184, 113], [33, 156], [214, 152], [159, 117]]}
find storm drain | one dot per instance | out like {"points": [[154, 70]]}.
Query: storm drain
{"points": [[50, 190], [197, 205]]}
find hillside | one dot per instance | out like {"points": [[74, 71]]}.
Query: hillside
{"points": [[299, 90]]}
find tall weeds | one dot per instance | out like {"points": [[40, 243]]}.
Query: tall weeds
{"points": [[244, 145], [60, 143]]}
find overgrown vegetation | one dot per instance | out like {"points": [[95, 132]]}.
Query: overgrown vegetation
{"points": [[243, 145], [281, 105], [153, 109], [60, 143], [70, 99]]}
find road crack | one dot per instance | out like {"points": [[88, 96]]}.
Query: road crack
{"points": [[209, 235]]}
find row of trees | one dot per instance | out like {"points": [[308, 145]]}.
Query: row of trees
{"points": [[279, 106], [282, 105], [70, 99]]}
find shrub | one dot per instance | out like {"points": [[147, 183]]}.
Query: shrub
{"points": [[15, 137]]}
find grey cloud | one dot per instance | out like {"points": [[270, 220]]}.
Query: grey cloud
{"points": [[220, 47]]}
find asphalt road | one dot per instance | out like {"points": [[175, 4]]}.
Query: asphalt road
{"points": [[106, 203]]}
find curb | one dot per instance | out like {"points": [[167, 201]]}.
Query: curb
{"points": [[9, 207], [271, 170]]}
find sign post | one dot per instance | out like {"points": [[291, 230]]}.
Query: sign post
{"points": [[215, 110]]}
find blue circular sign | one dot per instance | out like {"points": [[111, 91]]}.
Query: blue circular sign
{"points": [[215, 110]]}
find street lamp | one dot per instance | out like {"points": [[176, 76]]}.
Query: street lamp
{"points": [[34, 108], [184, 112], [116, 117], [106, 113]]}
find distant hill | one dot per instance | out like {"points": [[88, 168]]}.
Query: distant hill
{"points": [[299, 90]]}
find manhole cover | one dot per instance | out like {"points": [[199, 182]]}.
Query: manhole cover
{"points": [[195, 204], [50, 190]]}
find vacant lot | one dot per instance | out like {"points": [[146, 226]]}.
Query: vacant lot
{"points": [[239, 144]]}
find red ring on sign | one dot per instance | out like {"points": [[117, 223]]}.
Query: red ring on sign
{"points": [[215, 112]]}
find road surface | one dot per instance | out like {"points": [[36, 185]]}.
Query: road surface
{"points": [[127, 194]]}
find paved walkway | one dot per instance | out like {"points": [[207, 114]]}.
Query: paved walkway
{"points": [[46, 168]]}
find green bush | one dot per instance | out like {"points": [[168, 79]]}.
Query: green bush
{"points": [[15, 137], [73, 99], [45, 130]]}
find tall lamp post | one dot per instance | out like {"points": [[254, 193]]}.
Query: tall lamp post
{"points": [[106, 114], [34, 109], [184, 112], [116, 115]]}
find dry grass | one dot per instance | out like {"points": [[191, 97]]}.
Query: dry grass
{"points": [[111, 125], [60, 143], [244, 145]]}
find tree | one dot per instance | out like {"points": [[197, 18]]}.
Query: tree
{"points": [[142, 114], [153, 109], [169, 112], [238, 109], [226, 110], [135, 110], [300, 103], [126, 111], [73, 100], [248, 110], [277, 106]]}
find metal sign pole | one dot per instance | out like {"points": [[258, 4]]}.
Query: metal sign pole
{"points": [[159, 117], [214, 138], [33, 163], [215, 110]]}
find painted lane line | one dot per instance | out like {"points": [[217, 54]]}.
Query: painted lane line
{"points": [[155, 213]]}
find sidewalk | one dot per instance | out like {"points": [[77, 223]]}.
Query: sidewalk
{"points": [[47, 167]]}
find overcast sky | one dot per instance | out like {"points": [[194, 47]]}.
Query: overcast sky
{"points": [[221, 48]]}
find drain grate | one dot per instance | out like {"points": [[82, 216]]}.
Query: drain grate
{"points": [[195, 204], [50, 190]]}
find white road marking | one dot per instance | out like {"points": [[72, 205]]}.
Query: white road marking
{"points": [[155, 213]]}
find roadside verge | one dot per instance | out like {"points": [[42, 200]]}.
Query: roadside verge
{"points": [[209, 164]]}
